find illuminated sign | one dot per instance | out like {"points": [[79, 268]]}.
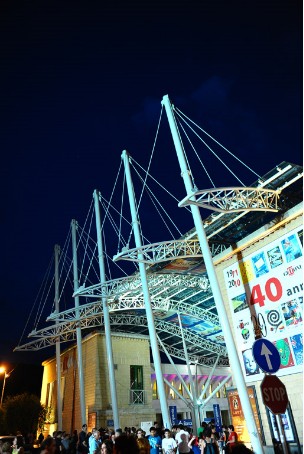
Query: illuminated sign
{"points": [[265, 292]]}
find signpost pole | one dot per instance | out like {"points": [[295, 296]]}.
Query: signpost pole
{"points": [[282, 435]]}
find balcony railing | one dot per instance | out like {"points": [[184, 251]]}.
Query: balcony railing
{"points": [[137, 396]]}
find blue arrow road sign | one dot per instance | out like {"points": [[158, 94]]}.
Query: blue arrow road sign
{"points": [[266, 355]]}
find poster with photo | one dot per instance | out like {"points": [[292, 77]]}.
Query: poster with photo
{"points": [[265, 292], [286, 421]]}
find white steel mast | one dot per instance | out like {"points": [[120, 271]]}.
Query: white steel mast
{"points": [[218, 299], [58, 363], [106, 315], [78, 329], [146, 294]]}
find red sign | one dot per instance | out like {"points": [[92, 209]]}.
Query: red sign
{"points": [[274, 394]]}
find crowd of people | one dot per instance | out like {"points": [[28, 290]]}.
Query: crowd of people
{"points": [[179, 440]]}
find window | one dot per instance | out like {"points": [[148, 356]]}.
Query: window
{"points": [[154, 391], [136, 377], [171, 392]]}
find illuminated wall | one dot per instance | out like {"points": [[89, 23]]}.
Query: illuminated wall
{"points": [[262, 285]]}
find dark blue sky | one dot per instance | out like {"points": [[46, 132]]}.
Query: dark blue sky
{"points": [[81, 81]]}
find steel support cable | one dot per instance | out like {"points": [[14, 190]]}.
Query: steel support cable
{"points": [[210, 149], [43, 283], [86, 245], [112, 222], [123, 241], [151, 156], [63, 258], [109, 277], [153, 196], [197, 155], [121, 210], [159, 184], [178, 111], [109, 203], [114, 226], [124, 218]]}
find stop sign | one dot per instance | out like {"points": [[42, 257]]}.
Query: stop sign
{"points": [[274, 394]]}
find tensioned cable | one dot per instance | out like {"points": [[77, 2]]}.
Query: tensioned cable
{"points": [[178, 111], [152, 196], [91, 260], [85, 249], [151, 156], [121, 209], [124, 218], [43, 283], [209, 148], [147, 171], [197, 155], [160, 185]]}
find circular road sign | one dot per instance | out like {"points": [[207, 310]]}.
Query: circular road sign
{"points": [[266, 355], [274, 394]]}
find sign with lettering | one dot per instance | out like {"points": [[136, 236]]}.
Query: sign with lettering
{"points": [[265, 291]]}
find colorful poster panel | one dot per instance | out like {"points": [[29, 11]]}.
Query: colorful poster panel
{"points": [[297, 346], [237, 416], [284, 349], [275, 257], [260, 265], [291, 248]]}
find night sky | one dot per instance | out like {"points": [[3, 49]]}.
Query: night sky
{"points": [[81, 81]]}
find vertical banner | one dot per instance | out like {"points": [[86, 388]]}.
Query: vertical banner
{"points": [[265, 291], [217, 417], [173, 414], [237, 415]]}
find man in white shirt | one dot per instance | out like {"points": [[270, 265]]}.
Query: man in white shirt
{"points": [[182, 440], [168, 443]]}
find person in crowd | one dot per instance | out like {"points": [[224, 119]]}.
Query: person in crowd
{"points": [[142, 442], [169, 445], [232, 438], [82, 446], [6, 448], [94, 442], [91, 438], [106, 447], [215, 439], [40, 438], [155, 441], [222, 440], [174, 430], [194, 444], [158, 429], [17, 447], [182, 438], [205, 442], [73, 442], [57, 438], [201, 429], [118, 433], [126, 445], [65, 442], [48, 446]]}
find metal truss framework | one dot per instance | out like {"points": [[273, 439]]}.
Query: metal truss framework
{"points": [[234, 199], [65, 331], [165, 251], [92, 310], [117, 287]]}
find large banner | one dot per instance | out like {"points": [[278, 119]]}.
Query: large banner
{"points": [[237, 416], [265, 291]]}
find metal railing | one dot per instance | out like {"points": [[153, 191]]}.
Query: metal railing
{"points": [[137, 396]]}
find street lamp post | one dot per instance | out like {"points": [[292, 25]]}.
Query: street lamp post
{"points": [[2, 371]]}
